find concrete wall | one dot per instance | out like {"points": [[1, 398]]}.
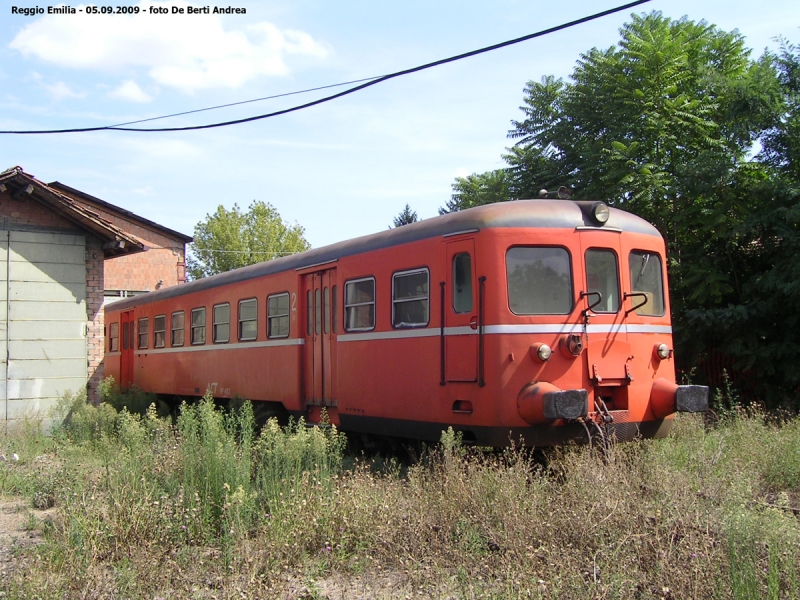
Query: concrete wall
{"points": [[51, 321]]}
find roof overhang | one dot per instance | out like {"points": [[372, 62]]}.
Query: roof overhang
{"points": [[126, 214], [24, 187]]}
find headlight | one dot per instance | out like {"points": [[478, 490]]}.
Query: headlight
{"points": [[600, 212], [663, 351], [541, 352]]}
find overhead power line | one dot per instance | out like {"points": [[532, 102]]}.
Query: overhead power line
{"points": [[218, 251], [357, 88], [189, 112]]}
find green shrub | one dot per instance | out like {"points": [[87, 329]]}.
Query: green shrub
{"points": [[132, 398], [84, 422]]}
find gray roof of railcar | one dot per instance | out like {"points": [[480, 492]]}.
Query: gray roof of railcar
{"points": [[556, 214]]}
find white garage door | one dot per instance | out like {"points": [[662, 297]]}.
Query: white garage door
{"points": [[42, 320]]}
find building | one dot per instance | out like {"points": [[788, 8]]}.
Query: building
{"points": [[164, 263], [63, 253]]}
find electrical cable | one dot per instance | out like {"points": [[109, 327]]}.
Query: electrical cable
{"points": [[348, 91], [270, 252], [189, 112]]}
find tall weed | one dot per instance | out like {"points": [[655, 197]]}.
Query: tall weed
{"points": [[763, 547], [215, 453]]}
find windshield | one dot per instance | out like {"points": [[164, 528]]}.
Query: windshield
{"points": [[647, 283], [602, 277], [539, 280]]}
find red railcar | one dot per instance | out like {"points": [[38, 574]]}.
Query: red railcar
{"points": [[531, 319]]}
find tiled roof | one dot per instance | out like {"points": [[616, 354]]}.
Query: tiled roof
{"points": [[84, 197]]}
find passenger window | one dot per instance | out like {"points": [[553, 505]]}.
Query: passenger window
{"points": [[410, 298], [646, 279], [539, 280], [198, 326], [462, 283], [144, 330], [278, 316], [159, 331], [176, 338], [359, 304], [222, 323], [113, 337], [602, 276], [248, 319]]}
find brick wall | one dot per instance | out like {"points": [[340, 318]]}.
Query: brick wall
{"points": [[162, 261], [95, 332], [27, 211]]}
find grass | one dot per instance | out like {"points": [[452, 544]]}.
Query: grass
{"points": [[208, 507]]}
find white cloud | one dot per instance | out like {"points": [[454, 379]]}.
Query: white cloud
{"points": [[187, 52], [130, 91], [58, 91], [61, 90], [143, 191]]}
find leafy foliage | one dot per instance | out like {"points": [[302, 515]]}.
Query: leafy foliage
{"points": [[478, 189], [781, 144], [229, 239]]}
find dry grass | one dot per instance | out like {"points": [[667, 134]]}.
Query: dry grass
{"points": [[206, 509]]}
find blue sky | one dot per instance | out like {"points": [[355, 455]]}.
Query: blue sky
{"points": [[341, 169]]}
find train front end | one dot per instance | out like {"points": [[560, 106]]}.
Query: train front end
{"points": [[582, 332]]}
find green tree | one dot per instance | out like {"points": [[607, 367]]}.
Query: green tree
{"points": [[229, 239], [406, 217], [781, 143], [478, 189], [663, 125], [646, 123], [757, 324], [658, 125]]}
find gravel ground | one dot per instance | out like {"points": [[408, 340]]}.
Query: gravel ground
{"points": [[16, 521]]}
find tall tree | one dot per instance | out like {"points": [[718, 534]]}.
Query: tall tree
{"points": [[646, 123], [406, 217], [757, 326], [229, 239], [781, 143]]}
